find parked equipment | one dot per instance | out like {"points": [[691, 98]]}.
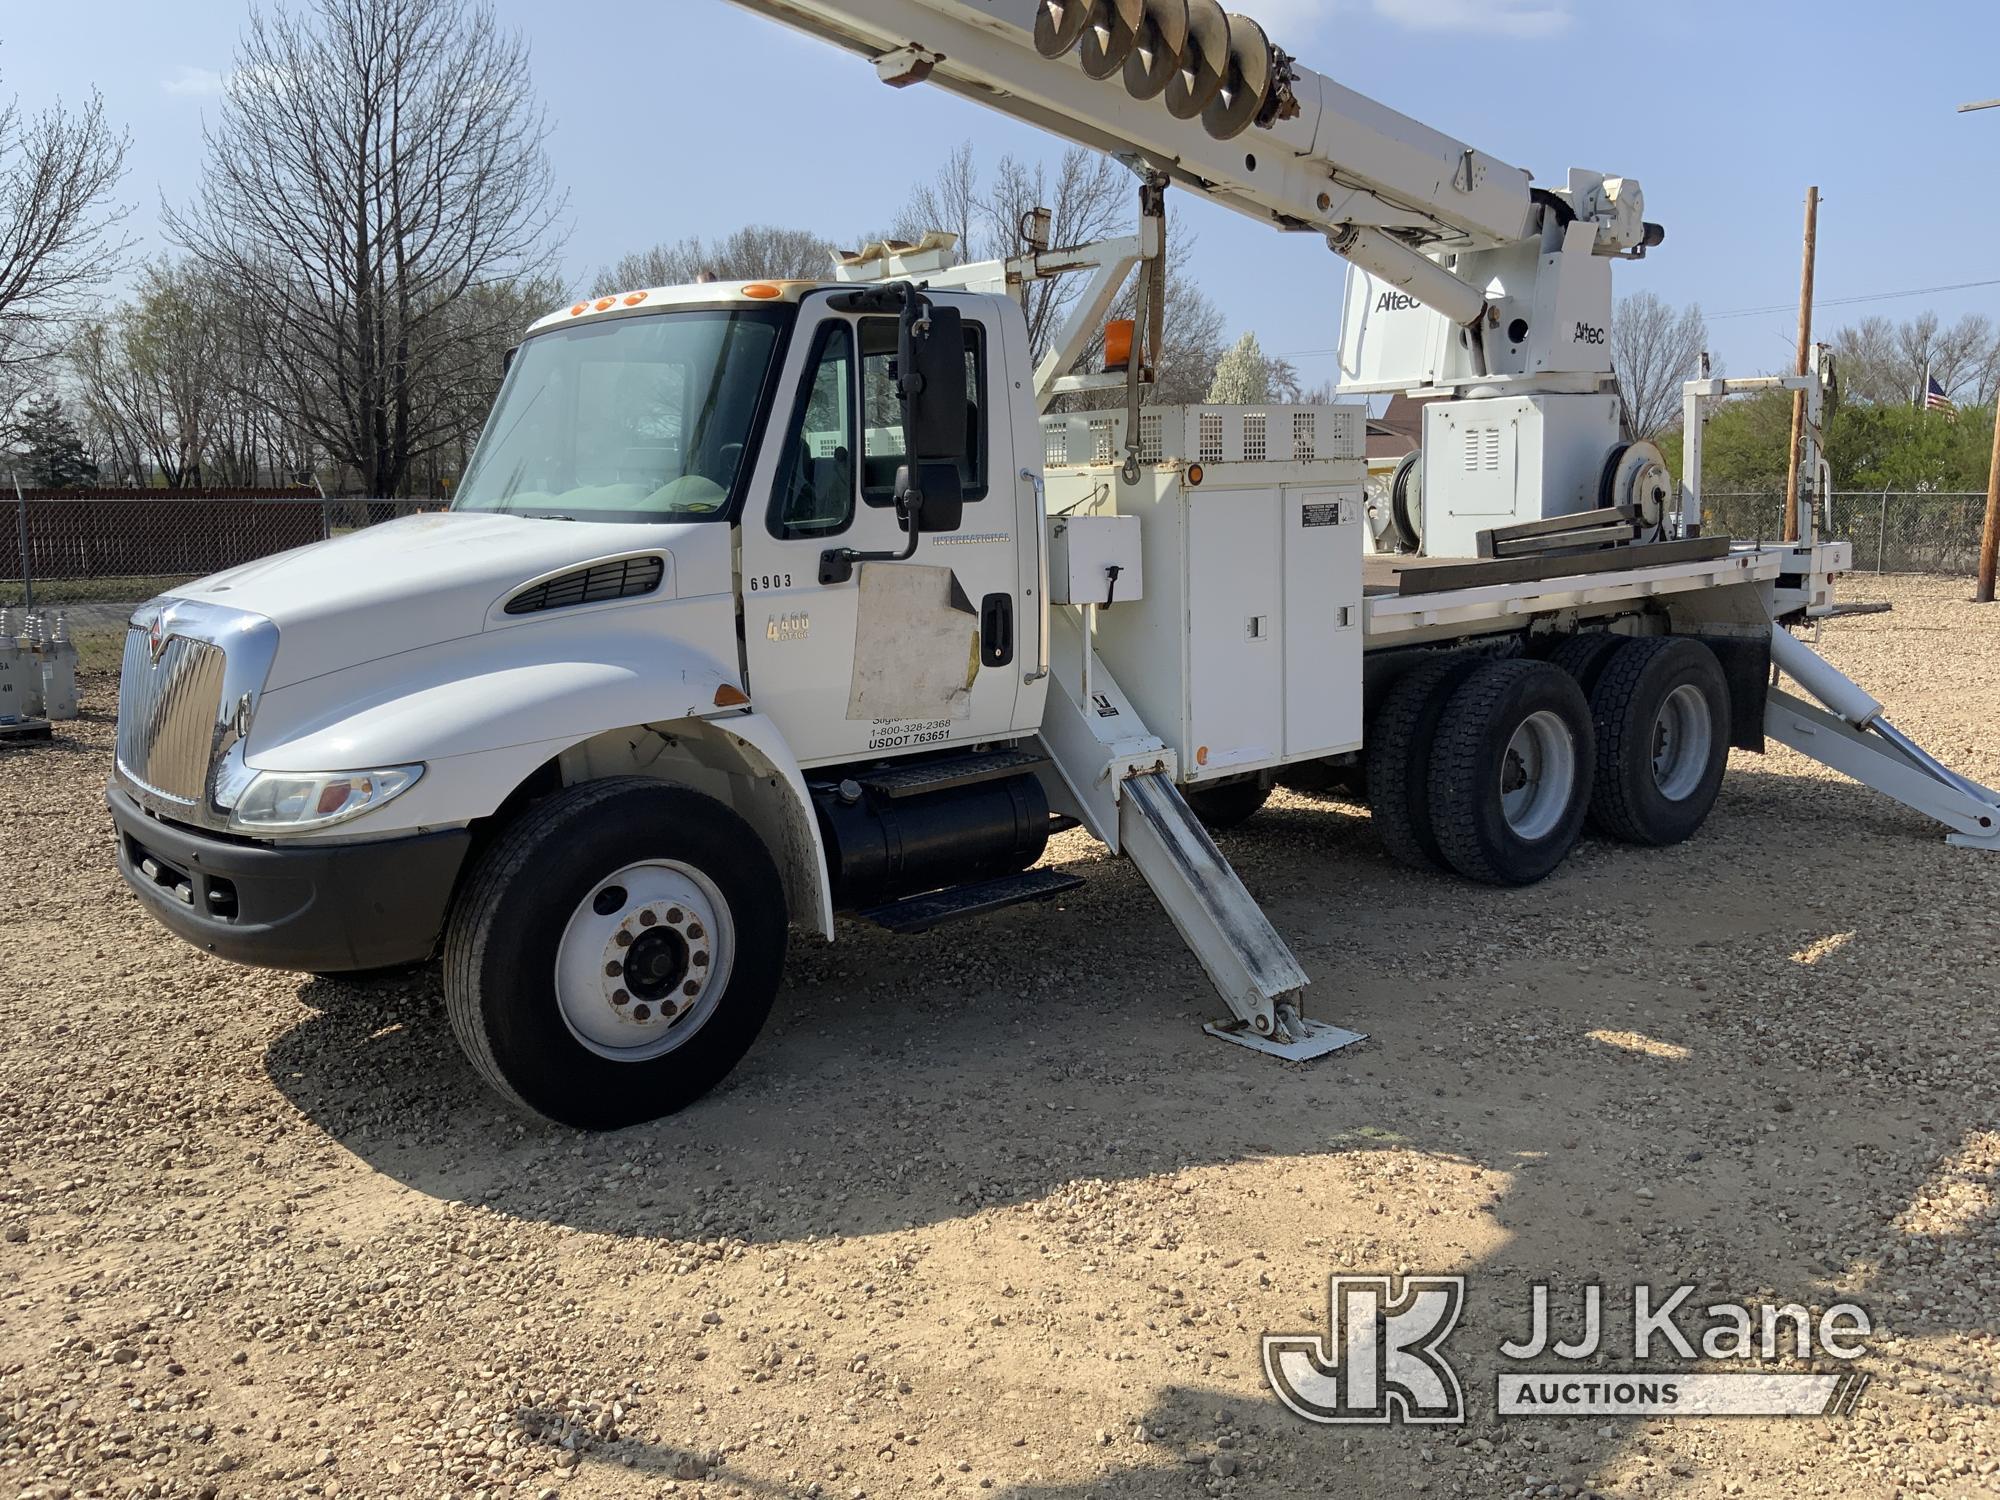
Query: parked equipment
{"points": [[765, 602]]}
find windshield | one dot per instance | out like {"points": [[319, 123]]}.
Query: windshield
{"points": [[632, 419]]}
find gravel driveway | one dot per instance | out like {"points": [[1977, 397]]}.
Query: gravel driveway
{"points": [[984, 1212]]}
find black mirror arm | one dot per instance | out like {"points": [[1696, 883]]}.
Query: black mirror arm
{"points": [[837, 564]]}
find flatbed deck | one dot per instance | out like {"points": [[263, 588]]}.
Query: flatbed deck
{"points": [[1395, 618]]}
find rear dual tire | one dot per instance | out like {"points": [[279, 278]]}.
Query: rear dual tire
{"points": [[1511, 772], [1660, 708], [1483, 767]]}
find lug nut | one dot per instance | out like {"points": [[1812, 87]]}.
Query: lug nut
{"points": [[699, 960], [620, 997], [694, 929], [624, 940], [642, 1013], [613, 969], [674, 915], [691, 988], [647, 919]]}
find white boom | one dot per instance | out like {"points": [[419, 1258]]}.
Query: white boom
{"points": [[1468, 281]]}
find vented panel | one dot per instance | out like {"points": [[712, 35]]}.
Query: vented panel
{"points": [[1256, 436], [626, 579], [1151, 427], [1211, 437], [1482, 450], [1055, 445], [1103, 435], [1304, 450]]}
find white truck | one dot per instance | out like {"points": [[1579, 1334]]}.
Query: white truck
{"points": [[765, 603]]}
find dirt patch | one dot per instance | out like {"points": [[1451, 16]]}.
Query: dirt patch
{"points": [[984, 1212]]}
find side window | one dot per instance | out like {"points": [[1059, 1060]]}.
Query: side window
{"points": [[816, 480], [882, 415]]}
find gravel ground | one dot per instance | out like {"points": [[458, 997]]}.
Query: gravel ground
{"points": [[984, 1213]]}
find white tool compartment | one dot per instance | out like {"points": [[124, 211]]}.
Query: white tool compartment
{"points": [[1245, 650]]}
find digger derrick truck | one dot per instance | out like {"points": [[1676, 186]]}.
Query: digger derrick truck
{"points": [[765, 603]]}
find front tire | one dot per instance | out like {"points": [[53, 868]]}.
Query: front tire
{"points": [[615, 953]]}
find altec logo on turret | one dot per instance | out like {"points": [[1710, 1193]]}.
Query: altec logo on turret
{"points": [[1396, 302]]}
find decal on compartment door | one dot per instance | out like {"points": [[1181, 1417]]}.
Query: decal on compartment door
{"points": [[916, 653]]}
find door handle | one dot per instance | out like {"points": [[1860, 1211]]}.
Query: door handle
{"points": [[996, 630]]}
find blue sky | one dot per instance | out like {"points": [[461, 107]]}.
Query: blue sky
{"points": [[690, 116]]}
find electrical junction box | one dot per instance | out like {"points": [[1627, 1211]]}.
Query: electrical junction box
{"points": [[1494, 462], [1095, 560]]}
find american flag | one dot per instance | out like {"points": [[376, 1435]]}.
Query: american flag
{"points": [[1935, 398]]}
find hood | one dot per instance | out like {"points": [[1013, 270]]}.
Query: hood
{"points": [[427, 579]]}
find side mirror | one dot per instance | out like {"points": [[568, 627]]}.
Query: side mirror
{"points": [[941, 410], [944, 495]]}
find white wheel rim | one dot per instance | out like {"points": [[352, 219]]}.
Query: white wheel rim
{"points": [[1683, 735], [1538, 776], [644, 960]]}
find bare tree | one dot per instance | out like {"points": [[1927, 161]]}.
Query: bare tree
{"points": [[1654, 351], [59, 239], [377, 164], [757, 252], [1884, 364], [1090, 198], [950, 203], [153, 379]]}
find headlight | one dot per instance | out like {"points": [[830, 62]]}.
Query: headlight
{"points": [[295, 800]]}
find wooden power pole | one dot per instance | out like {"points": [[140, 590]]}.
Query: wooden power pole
{"points": [[1805, 364], [1989, 542]]}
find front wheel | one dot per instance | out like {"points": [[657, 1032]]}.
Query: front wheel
{"points": [[615, 953]]}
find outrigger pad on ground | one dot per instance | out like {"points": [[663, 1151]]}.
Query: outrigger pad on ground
{"points": [[25, 731], [1310, 1039]]}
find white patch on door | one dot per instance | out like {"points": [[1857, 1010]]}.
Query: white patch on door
{"points": [[915, 657]]}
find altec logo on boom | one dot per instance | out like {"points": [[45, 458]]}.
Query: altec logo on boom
{"points": [[1396, 302], [1384, 1361]]}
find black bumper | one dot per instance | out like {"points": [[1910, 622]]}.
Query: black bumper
{"points": [[318, 909]]}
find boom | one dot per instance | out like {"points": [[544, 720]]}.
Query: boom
{"points": [[1178, 88]]}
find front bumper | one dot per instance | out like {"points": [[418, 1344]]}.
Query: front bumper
{"points": [[317, 908]]}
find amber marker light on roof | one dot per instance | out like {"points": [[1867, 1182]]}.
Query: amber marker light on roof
{"points": [[579, 309], [633, 299], [604, 303], [763, 291]]}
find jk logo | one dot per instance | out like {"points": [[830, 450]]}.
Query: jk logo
{"points": [[1381, 1364]]}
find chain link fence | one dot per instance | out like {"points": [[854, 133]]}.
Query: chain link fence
{"points": [[1892, 531]]}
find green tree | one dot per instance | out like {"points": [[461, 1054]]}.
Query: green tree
{"points": [[51, 447], [1904, 448]]}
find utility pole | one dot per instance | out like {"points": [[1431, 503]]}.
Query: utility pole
{"points": [[1989, 541], [1805, 364]]}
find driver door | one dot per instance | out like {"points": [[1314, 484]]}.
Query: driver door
{"points": [[901, 656]]}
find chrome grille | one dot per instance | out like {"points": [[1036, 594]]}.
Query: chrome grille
{"points": [[167, 712]]}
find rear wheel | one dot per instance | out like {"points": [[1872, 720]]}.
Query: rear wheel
{"points": [[1584, 656], [1222, 808], [615, 953], [1511, 772], [1661, 712], [1400, 740]]}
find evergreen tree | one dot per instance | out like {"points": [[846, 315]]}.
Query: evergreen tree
{"points": [[51, 447]]}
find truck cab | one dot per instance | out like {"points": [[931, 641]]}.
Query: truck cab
{"points": [[611, 725]]}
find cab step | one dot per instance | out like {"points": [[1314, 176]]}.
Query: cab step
{"points": [[916, 914], [923, 777]]}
